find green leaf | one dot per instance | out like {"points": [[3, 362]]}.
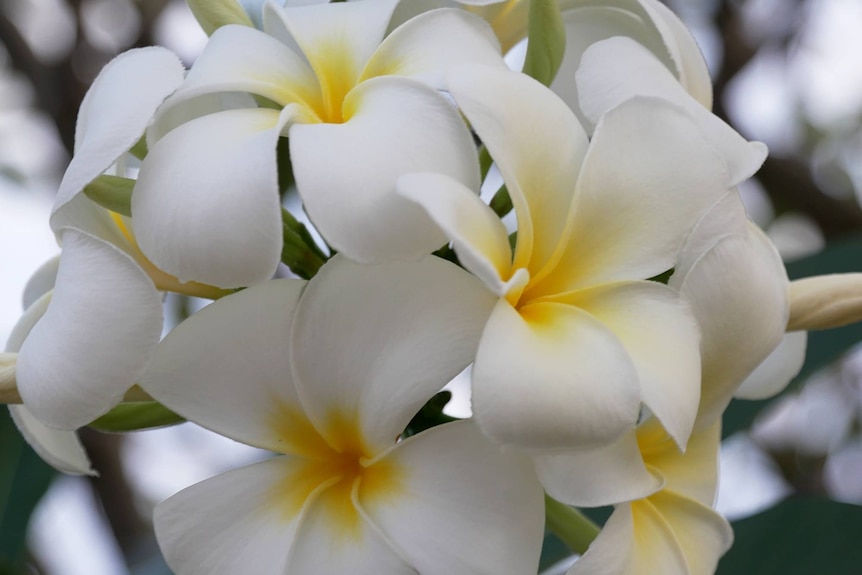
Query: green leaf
{"points": [[824, 347], [300, 252], [135, 416], [24, 478], [801, 536], [546, 41], [113, 193]]}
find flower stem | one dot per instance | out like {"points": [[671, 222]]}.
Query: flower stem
{"points": [[570, 525]]}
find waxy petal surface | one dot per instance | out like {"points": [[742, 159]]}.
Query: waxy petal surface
{"points": [[346, 173], [778, 369], [96, 337], [395, 334], [550, 376], [202, 368], [618, 69], [538, 146], [646, 179], [206, 205], [115, 112], [486, 518]]}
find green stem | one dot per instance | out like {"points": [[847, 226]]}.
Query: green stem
{"points": [[570, 525]]}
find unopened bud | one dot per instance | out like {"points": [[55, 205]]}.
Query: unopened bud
{"points": [[824, 302], [8, 383]]}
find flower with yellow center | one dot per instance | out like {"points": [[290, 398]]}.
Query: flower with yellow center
{"points": [[328, 374], [579, 338], [358, 109]]}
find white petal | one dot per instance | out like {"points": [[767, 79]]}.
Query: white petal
{"points": [[615, 70], [571, 476], [693, 473], [230, 523], [206, 205], [242, 59], [61, 449], [41, 282], [116, 111], [661, 337], [325, 544], [647, 178], [346, 173], [227, 369], [550, 376], [83, 214], [536, 142], [486, 518], [428, 45], [336, 38], [479, 237], [96, 338], [777, 370], [738, 291], [372, 344]]}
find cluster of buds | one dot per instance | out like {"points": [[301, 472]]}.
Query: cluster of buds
{"points": [[608, 323]]}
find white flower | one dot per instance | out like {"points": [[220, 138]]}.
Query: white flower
{"points": [[578, 338], [328, 375], [359, 110]]}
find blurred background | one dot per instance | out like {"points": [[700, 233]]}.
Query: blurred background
{"points": [[786, 72]]}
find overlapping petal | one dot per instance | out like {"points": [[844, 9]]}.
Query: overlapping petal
{"points": [[346, 173], [228, 524], [104, 320], [777, 370], [206, 204], [647, 177], [200, 369], [389, 350], [441, 523], [516, 117], [414, 49], [116, 111], [738, 290], [662, 339], [618, 69], [551, 376]]}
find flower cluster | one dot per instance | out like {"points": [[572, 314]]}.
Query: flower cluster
{"points": [[608, 323]]}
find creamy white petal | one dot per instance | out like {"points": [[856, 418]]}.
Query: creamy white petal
{"points": [[393, 335], [693, 473], [536, 143], [738, 291], [96, 338], [327, 541], [428, 45], [41, 282], [227, 368], [602, 476], [462, 506], [477, 234], [231, 523], [647, 177], [550, 376], [615, 70], [116, 111], [242, 59], [777, 370], [61, 449], [346, 173], [206, 205], [661, 336], [83, 214], [337, 39]]}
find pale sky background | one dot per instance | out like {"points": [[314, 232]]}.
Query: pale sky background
{"points": [[824, 73]]}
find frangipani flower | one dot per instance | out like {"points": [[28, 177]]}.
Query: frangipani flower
{"points": [[105, 313], [736, 284], [328, 375], [578, 338], [359, 110]]}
